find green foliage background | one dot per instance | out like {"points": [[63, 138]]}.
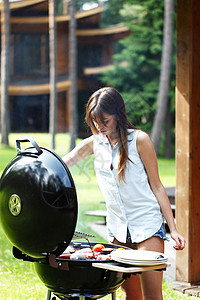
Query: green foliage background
{"points": [[138, 78], [137, 59]]}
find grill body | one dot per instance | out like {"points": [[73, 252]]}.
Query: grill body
{"points": [[81, 278], [38, 212]]}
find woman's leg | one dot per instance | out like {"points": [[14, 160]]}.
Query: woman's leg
{"points": [[131, 288], [151, 281]]}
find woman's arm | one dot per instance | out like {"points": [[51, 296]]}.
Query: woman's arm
{"points": [[80, 152], [148, 156]]}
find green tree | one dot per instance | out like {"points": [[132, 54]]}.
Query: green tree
{"points": [[112, 10], [163, 95], [61, 5], [138, 77], [80, 3]]}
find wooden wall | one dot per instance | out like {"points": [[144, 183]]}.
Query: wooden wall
{"points": [[91, 39], [62, 41], [62, 49], [188, 139]]}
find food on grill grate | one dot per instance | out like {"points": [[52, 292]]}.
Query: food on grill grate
{"points": [[98, 247], [77, 251]]}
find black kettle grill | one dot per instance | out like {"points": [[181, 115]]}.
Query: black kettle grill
{"points": [[38, 212]]}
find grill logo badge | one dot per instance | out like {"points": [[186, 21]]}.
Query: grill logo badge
{"points": [[15, 205]]}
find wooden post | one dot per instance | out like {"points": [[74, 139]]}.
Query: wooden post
{"points": [[188, 139]]}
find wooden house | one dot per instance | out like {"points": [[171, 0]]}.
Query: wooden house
{"points": [[29, 63]]}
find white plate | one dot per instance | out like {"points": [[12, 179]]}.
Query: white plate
{"points": [[153, 260], [139, 257], [140, 263]]}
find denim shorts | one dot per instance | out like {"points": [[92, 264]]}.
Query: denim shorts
{"points": [[160, 233]]}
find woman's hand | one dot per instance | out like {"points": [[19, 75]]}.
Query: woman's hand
{"points": [[180, 241]]}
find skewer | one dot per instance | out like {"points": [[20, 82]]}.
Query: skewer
{"points": [[85, 236]]}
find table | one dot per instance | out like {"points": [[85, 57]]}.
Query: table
{"points": [[119, 267]]}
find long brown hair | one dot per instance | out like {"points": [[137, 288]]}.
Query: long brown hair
{"points": [[108, 100]]}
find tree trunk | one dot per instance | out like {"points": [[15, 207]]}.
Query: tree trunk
{"points": [[168, 134], [5, 51], [73, 75], [65, 7], [166, 61], [52, 56]]}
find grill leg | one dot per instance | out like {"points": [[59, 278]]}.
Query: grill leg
{"points": [[48, 295], [113, 296]]}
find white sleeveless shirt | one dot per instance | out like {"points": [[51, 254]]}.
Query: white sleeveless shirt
{"points": [[129, 205]]}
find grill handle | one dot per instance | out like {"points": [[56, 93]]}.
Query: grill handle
{"points": [[19, 255], [27, 139]]}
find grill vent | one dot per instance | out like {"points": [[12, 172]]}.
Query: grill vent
{"points": [[59, 200]]}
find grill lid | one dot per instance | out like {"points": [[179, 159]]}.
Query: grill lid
{"points": [[38, 202]]}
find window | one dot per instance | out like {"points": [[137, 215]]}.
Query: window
{"points": [[90, 56], [29, 55]]}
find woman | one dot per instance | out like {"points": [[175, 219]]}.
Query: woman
{"points": [[127, 174]]}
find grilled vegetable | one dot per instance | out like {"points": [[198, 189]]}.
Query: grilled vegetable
{"points": [[98, 247]]}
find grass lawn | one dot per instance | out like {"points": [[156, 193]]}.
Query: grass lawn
{"points": [[18, 280]]}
